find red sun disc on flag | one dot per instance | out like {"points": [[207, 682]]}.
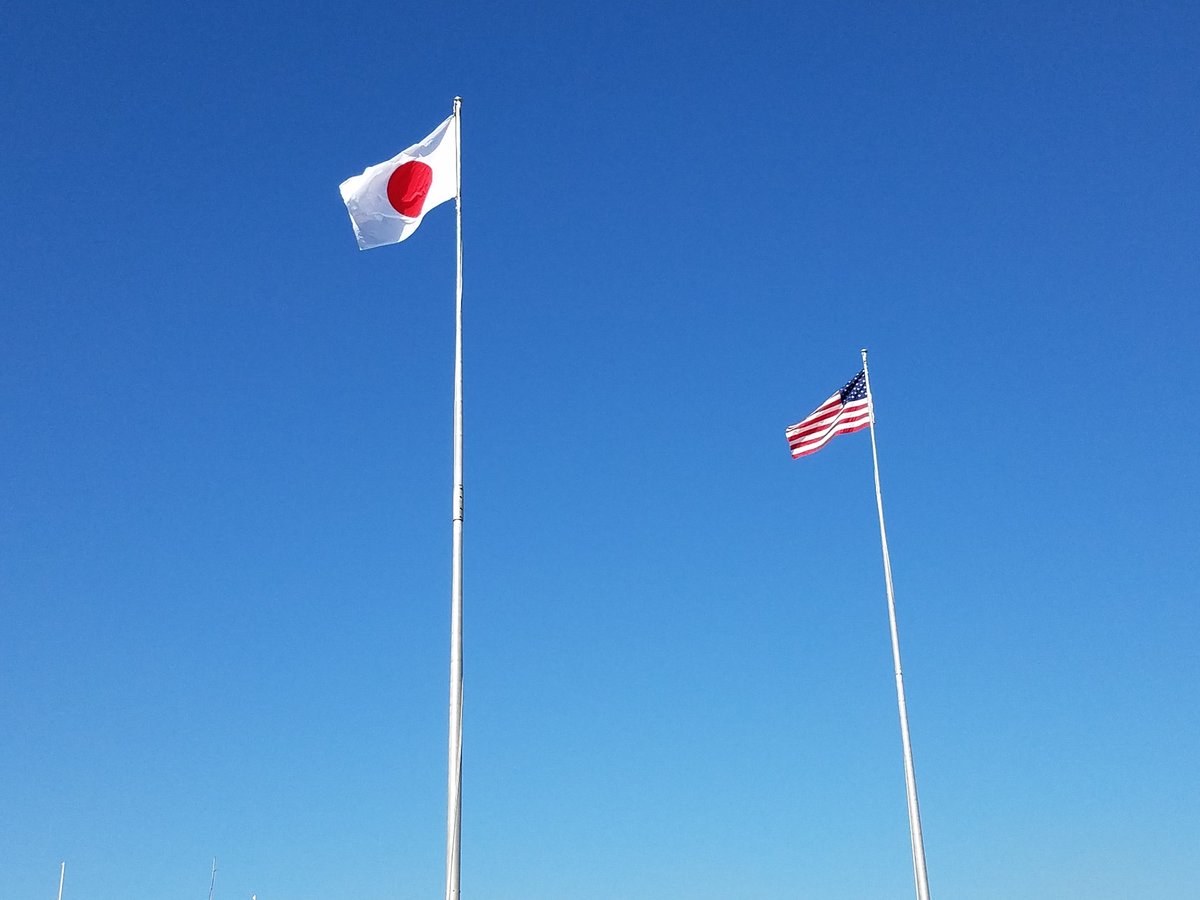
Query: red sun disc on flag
{"points": [[407, 187]]}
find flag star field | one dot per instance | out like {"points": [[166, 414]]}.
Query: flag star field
{"points": [[226, 472], [855, 389]]}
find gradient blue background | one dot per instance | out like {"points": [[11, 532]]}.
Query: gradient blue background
{"points": [[225, 491]]}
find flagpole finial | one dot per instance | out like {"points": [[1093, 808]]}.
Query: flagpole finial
{"points": [[863, 351]]}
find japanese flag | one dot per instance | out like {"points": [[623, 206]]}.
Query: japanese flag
{"points": [[388, 201]]}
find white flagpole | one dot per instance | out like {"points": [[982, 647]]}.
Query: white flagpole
{"points": [[62, 876], [910, 777], [454, 798]]}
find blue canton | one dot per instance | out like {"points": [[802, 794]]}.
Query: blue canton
{"points": [[855, 389]]}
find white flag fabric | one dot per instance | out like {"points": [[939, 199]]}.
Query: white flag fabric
{"points": [[387, 202]]}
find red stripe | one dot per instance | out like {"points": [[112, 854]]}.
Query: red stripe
{"points": [[824, 412], [840, 422], [797, 452], [811, 425], [814, 433], [830, 406], [850, 412], [834, 402], [842, 427]]}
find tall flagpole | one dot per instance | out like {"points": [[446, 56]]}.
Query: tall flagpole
{"points": [[910, 777], [454, 793]]}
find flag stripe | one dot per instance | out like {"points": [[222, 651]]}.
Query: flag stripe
{"points": [[803, 437], [824, 436], [805, 449], [822, 416], [799, 450], [826, 422]]}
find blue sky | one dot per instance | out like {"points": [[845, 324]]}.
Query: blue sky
{"points": [[224, 513]]}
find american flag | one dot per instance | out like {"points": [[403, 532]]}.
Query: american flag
{"points": [[844, 412]]}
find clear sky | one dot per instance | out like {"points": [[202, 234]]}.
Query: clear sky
{"points": [[226, 476]]}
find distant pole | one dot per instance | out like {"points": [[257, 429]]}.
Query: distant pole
{"points": [[454, 792], [212, 884], [62, 875], [910, 777]]}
